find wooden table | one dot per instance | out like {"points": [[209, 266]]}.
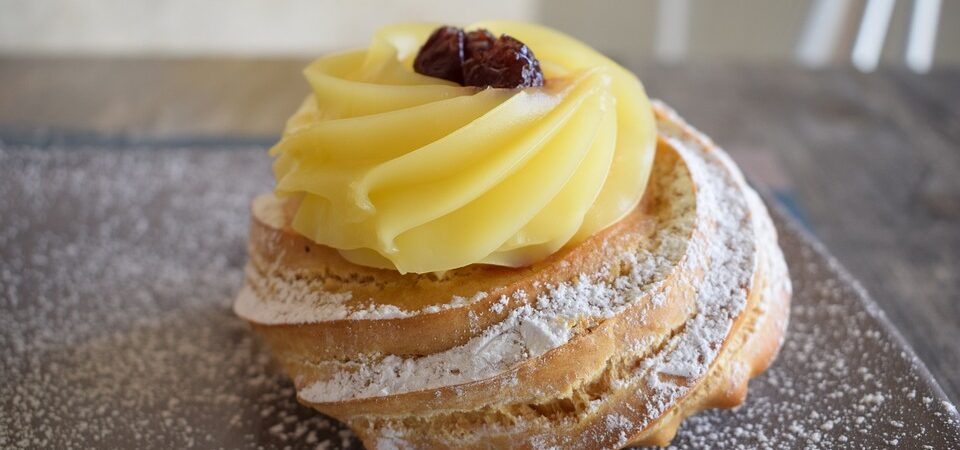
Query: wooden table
{"points": [[872, 162]]}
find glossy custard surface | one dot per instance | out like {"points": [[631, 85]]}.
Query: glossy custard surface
{"points": [[400, 170]]}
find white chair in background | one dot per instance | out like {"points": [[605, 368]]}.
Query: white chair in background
{"points": [[826, 18], [673, 30], [923, 35], [822, 33]]}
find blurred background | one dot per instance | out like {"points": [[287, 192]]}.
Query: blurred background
{"points": [[813, 33]]}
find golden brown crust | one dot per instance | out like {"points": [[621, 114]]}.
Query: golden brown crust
{"points": [[566, 396]]}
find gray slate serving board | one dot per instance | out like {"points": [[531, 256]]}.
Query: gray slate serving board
{"points": [[119, 260]]}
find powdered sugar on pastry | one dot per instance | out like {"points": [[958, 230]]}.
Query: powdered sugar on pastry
{"points": [[531, 330], [300, 300], [528, 331]]}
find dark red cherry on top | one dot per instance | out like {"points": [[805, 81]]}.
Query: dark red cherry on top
{"points": [[442, 55], [478, 59]]}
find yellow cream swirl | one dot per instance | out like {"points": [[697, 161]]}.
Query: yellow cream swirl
{"points": [[400, 170]]}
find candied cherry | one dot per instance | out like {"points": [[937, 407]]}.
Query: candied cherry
{"points": [[477, 58], [442, 55]]}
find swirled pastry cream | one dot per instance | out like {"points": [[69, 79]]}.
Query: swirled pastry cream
{"points": [[397, 169]]}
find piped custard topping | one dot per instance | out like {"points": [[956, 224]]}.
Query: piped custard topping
{"points": [[426, 166]]}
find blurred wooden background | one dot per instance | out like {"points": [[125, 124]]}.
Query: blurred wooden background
{"points": [[810, 32]]}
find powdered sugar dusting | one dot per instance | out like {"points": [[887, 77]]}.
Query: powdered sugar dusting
{"points": [[305, 300], [723, 216], [731, 254], [119, 266], [842, 381], [117, 271], [527, 332]]}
